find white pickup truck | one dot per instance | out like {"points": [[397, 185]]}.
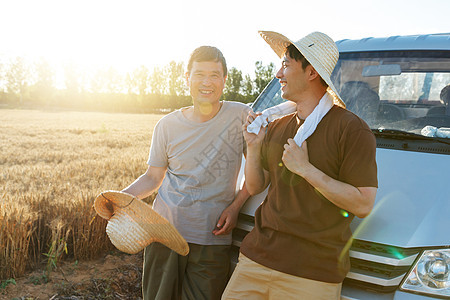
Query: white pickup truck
{"points": [[396, 84]]}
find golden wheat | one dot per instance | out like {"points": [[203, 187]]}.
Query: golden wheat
{"points": [[53, 164]]}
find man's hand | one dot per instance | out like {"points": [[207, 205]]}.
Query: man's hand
{"points": [[296, 158], [251, 138], [227, 220], [357, 200]]}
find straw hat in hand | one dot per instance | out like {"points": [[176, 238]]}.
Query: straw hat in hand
{"points": [[133, 224]]}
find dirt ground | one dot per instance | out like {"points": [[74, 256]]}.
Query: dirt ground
{"points": [[114, 276]]}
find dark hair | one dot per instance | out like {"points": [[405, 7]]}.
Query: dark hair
{"points": [[445, 95], [207, 53], [294, 53]]}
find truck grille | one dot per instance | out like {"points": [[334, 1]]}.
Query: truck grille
{"points": [[375, 266], [379, 267]]}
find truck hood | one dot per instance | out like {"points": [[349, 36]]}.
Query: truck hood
{"points": [[412, 206]]}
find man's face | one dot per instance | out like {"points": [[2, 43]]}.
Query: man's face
{"points": [[293, 79], [206, 81]]}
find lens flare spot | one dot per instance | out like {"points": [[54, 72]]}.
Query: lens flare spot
{"points": [[396, 253], [344, 213]]}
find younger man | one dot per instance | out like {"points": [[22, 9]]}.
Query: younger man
{"points": [[320, 163]]}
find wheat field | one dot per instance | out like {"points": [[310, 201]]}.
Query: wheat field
{"points": [[53, 164]]}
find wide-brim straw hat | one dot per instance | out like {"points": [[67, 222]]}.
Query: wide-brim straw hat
{"points": [[317, 48], [133, 224]]}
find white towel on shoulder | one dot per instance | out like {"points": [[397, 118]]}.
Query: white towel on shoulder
{"points": [[306, 129]]}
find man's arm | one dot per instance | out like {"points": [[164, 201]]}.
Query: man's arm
{"points": [[228, 218], [147, 183], [256, 178], [357, 200]]}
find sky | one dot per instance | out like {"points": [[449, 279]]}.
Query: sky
{"points": [[127, 34]]}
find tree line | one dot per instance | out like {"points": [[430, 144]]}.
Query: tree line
{"points": [[35, 84]]}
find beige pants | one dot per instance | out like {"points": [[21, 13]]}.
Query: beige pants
{"points": [[251, 281]]}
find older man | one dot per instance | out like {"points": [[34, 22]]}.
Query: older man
{"points": [[195, 156]]}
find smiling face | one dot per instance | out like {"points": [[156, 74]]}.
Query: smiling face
{"points": [[293, 78], [206, 82]]}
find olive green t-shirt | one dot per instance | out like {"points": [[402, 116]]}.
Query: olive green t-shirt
{"points": [[297, 230]]}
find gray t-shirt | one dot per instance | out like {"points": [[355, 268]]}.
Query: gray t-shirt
{"points": [[203, 162]]}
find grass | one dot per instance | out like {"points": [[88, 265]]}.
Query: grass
{"points": [[53, 166]]}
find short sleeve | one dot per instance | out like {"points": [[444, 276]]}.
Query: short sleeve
{"points": [[358, 150], [158, 148]]}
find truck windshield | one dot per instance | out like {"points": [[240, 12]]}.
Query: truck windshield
{"points": [[401, 90]]}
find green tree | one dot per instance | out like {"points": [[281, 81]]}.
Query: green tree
{"points": [[3, 95], [44, 87], [233, 85], [248, 89], [72, 78], [175, 79], [2, 77], [138, 81], [129, 82], [17, 78], [263, 75], [107, 80], [157, 82]]}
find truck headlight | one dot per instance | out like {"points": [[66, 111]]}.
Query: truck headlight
{"points": [[430, 274]]}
